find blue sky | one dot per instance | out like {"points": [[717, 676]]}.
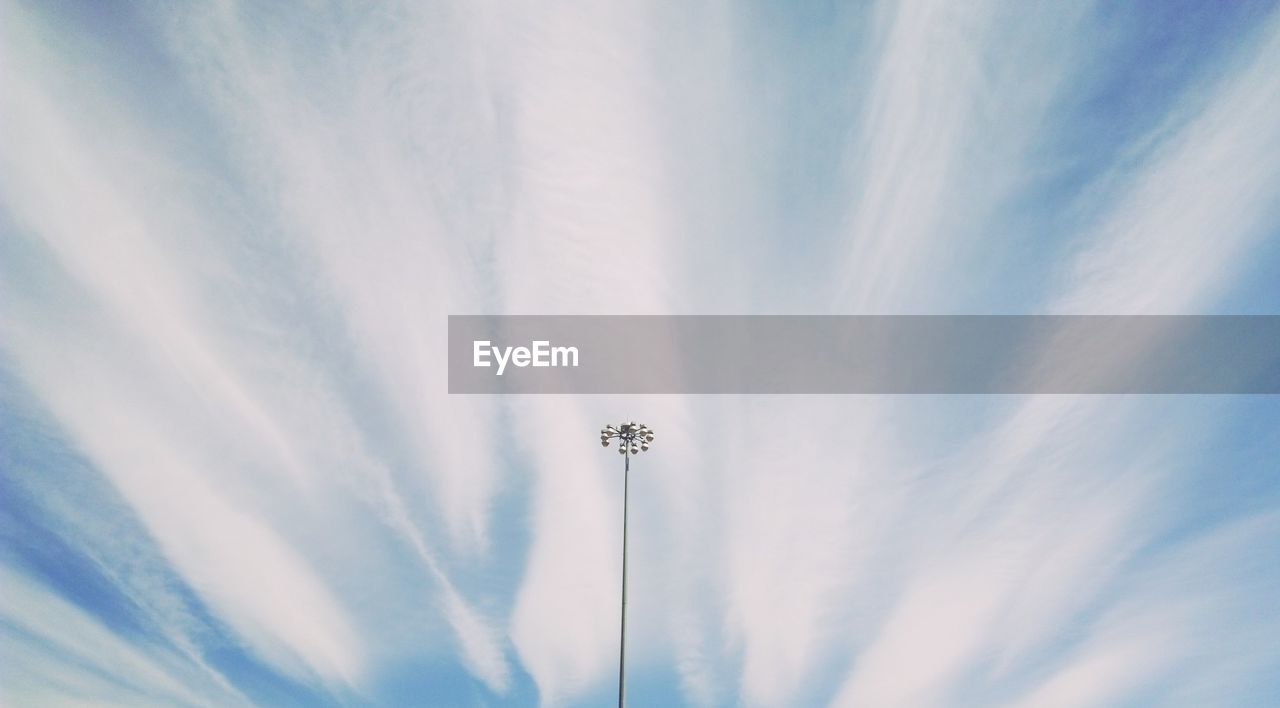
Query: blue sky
{"points": [[230, 473]]}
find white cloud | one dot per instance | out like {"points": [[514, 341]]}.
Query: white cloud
{"points": [[1193, 209], [1045, 512], [256, 360], [139, 402], [89, 664]]}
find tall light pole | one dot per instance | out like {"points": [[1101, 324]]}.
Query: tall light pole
{"points": [[633, 438]]}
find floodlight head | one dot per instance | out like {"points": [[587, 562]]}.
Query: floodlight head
{"points": [[633, 438]]}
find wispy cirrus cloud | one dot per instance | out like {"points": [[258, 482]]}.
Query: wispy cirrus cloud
{"points": [[232, 237], [1041, 534], [56, 652]]}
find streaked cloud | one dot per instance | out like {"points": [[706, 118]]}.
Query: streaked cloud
{"points": [[232, 473]]}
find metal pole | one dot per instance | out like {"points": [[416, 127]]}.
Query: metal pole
{"points": [[633, 438], [622, 648]]}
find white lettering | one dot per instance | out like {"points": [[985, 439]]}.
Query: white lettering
{"points": [[503, 356], [541, 354], [541, 348], [480, 349], [567, 355]]}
